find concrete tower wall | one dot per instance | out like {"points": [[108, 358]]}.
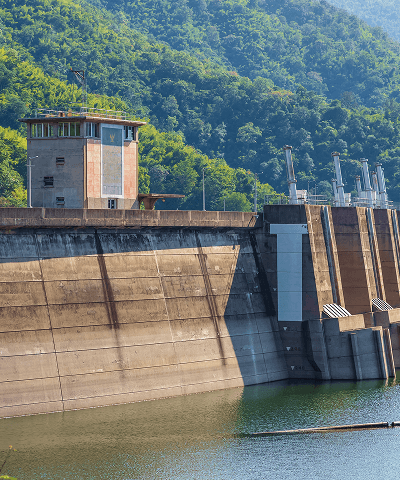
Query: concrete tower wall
{"points": [[83, 161], [95, 199], [68, 177]]}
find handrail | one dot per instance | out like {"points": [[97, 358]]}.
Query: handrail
{"points": [[92, 112]]}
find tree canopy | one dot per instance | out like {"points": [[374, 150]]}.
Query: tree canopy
{"points": [[223, 83]]}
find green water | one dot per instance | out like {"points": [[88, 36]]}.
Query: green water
{"points": [[192, 437]]}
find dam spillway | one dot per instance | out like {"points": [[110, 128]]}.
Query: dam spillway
{"points": [[106, 307]]}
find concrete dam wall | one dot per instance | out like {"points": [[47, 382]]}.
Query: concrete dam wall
{"points": [[317, 257], [158, 305], [94, 317]]}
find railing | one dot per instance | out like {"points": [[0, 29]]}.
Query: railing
{"points": [[276, 199], [282, 199], [90, 112], [364, 202]]}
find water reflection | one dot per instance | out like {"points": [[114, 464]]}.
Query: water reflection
{"points": [[192, 437]]}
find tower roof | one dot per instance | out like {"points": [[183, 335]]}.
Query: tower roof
{"points": [[88, 114]]}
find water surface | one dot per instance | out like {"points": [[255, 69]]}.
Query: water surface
{"points": [[192, 437]]}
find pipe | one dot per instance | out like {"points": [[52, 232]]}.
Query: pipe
{"points": [[255, 193], [382, 186], [375, 190], [29, 182], [374, 182], [335, 192], [358, 186], [367, 182], [291, 178], [340, 186], [335, 428], [359, 190]]}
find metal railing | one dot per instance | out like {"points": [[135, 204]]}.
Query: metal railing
{"points": [[277, 199], [282, 199], [89, 112]]}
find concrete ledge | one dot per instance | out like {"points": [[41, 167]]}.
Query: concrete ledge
{"points": [[69, 217]]}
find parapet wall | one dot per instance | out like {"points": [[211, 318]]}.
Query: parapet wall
{"points": [[107, 218]]}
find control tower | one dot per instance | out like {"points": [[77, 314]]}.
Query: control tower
{"points": [[86, 159]]}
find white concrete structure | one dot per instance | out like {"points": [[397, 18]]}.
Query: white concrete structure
{"points": [[289, 270]]}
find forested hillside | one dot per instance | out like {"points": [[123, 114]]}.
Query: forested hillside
{"points": [[290, 42], [377, 13], [232, 80], [167, 164]]}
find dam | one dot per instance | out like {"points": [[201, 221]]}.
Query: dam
{"points": [[103, 307]]}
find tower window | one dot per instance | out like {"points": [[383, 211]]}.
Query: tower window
{"points": [[112, 203], [69, 129], [40, 130], [48, 181], [92, 130], [130, 133]]}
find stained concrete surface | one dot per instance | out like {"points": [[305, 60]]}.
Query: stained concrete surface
{"points": [[97, 317]]}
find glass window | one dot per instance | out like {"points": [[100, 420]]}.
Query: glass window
{"points": [[130, 133], [41, 130], [66, 129], [92, 130], [72, 129], [77, 129]]}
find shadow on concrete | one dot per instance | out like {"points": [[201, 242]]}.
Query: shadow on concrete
{"points": [[228, 276]]}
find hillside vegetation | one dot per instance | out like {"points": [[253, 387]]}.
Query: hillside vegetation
{"points": [[290, 42], [377, 13], [229, 80], [167, 164]]}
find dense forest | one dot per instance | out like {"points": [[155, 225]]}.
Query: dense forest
{"points": [[224, 84], [377, 13]]}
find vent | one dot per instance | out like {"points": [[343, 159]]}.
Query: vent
{"points": [[48, 181], [380, 305], [60, 161], [60, 201], [332, 310]]}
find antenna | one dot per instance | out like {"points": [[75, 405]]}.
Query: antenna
{"points": [[80, 76]]}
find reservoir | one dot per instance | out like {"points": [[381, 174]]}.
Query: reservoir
{"points": [[193, 437]]}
